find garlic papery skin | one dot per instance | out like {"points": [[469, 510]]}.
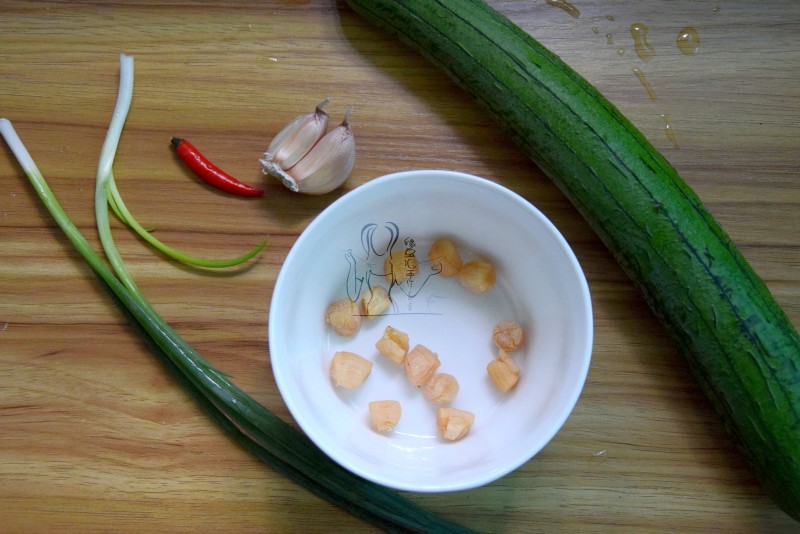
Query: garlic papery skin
{"points": [[298, 137], [326, 166]]}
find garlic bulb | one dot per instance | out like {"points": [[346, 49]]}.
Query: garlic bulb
{"points": [[305, 159]]}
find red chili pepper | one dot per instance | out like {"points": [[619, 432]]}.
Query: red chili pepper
{"points": [[210, 173]]}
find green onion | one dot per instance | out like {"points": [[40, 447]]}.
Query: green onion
{"points": [[269, 438], [106, 191]]}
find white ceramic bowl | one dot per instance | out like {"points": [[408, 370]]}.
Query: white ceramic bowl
{"points": [[539, 284]]}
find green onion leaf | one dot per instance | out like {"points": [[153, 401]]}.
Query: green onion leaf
{"points": [[122, 212]]}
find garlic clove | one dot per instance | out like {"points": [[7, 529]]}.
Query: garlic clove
{"points": [[297, 138], [325, 167]]}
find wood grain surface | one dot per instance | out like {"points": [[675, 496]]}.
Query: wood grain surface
{"points": [[95, 436]]}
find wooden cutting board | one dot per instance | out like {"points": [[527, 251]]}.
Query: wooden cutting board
{"points": [[95, 436]]}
